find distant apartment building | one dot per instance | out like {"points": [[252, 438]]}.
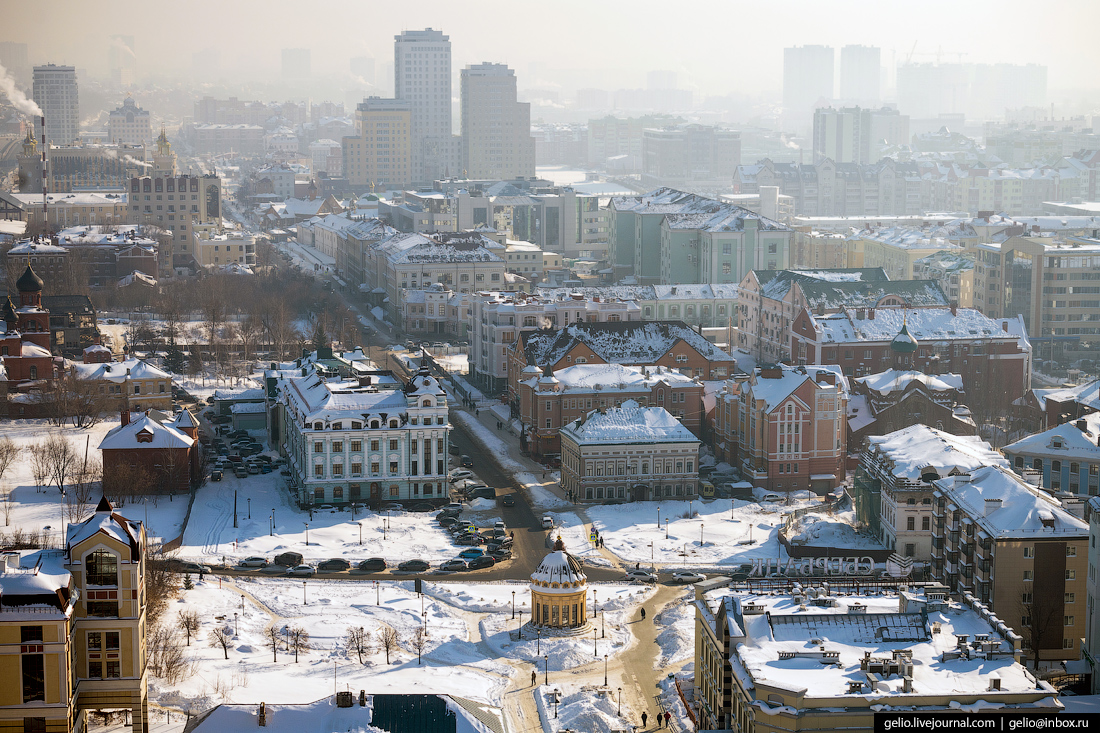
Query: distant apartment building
{"points": [[689, 154], [75, 209], [369, 161], [616, 142], [80, 167], [216, 250], [1066, 457], [216, 139], [130, 124], [176, 204], [436, 311], [897, 249], [895, 399], [55, 92], [422, 77], [699, 305], [496, 128], [857, 135], [954, 271], [860, 74], [784, 427], [807, 82]]}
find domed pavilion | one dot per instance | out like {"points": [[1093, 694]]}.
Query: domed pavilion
{"points": [[558, 591]]}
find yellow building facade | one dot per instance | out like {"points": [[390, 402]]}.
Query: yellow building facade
{"points": [[558, 591]]}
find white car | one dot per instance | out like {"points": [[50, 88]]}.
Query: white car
{"points": [[642, 576], [253, 562], [303, 571], [688, 577], [459, 473]]}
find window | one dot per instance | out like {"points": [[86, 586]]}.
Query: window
{"points": [[374, 445], [910, 550], [1027, 574], [102, 568], [1071, 575], [1067, 620], [1071, 551], [318, 447], [393, 445], [393, 468], [926, 523], [34, 725], [103, 609], [1067, 643], [30, 633], [1029, 552], [338, 446], [356, 446], [34, 678], [318, 471], [1069, 598], [337, 470]]}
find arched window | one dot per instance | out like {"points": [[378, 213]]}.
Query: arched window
{"points": [[374, 423], [427, 402], [102, 568], [393, 423], [34, 372], [318, 426]]}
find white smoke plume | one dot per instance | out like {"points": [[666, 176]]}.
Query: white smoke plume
{"points": [[12, 92], [135, 161]]}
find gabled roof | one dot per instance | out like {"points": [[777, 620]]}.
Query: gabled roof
{"points": [[625, 342], [915, 449], [119, 371], [113, 525], [629, 423], [1063, 441], [1005, 506], [161, 436]]}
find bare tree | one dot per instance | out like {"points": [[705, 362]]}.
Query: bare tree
{"points": [[189, 622], [61, 459], [299, 641], [358, 640], [85, 400], [165, 654], [125, 481], [220, 638], [8, 453], [160, 581], [272, 643], [419, 641], [79, 499], [1040, 622], [40, 465], [389, 640]]}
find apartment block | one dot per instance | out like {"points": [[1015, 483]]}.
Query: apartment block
{"points": [[496, 128], [380, 154]]}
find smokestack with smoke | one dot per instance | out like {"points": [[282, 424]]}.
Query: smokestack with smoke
{"points": [[134, 161], [13, 93]]}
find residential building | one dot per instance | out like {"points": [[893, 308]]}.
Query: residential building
{"points": [[435, 311], [422, 77], [632, 453], [100, 255], [1091, 641], [857, 135], [770, 300], [380, 154], [616, 142], [690, 155], [1051, 283], [892, 400], [55, 92], [350, 442], [132, 385], [897, 249], [814, 250], [277, 180], [670, 344], [991, 524], [894, 483], [326, 156], [747, 643], [496, 129], [549, 401], [80, 166], [860, 74], [177, 204], [953, 270], [75, 209], [784, 427], [48, 259], [216, 250], [496, 319], [529, 260], [130, 124], [1066, 457], [218, 139], [767, 202], [72, 323], [156, 451], [807, 82], [420, 211], [993, 356], [1043, 408], [73, 626]]}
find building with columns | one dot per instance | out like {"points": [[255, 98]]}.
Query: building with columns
{"points": [[559, 592]]}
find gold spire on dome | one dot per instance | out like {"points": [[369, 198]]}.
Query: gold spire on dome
{"points": [[559, 546], [163, 146]]}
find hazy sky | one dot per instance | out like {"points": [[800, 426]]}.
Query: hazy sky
{"points": [[716, 46]]}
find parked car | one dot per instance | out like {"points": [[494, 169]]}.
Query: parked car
{"points": [[466, 462], [458, 474], [421, 508], [484, 561], [335, 565], [547, 522], [453, 565], [509, 500], [688, 577], [452, 510], [240, 471], [453, 449], [471, 553], [414, 565], [253, 468], [216, 475], [642, 576], [391, 507], [372, 565], [190, 567], [500, 543], [254, 562], [446, 520], [265, 468], [289, 559], [300, 571], [469, 539]]}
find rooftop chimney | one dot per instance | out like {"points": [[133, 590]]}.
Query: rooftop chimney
{"points": [[125, 417], [263, 715], [1082, 426], [992, 505]]}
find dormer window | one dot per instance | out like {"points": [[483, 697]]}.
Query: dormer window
{"points": [[1056, 442], [338, 426], [374, 424], [102, 568], [355, 425], [393, 423], [144, 436], [426, 403], [318, 426]]}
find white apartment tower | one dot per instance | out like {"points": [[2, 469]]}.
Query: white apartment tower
{"points": [[807, 81], [860, 74], [496, 129], [422, 77], [55, 91]]}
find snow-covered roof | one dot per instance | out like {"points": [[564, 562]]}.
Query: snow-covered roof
{"points": [[120, 371], [1024, 511], [610, 377], [160, 435], [1063, 441], [774, 390], [893, 380], [1087, 394], [31, 247], [832, 290], [629, 342], [629, 423], [31, 349], [780, 643], [39, 580], [561, 568], [312, 398], [914, 451], [924, 324], [108, 522]]}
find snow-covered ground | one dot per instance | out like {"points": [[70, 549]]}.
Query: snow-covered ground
{"points": [[831, 530]]}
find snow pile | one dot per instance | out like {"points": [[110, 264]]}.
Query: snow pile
{"points": [[830, 530], [581, 707]]}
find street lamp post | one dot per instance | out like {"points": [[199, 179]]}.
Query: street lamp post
{"points": [[242, 604], [658, 519], [307, 533], [272, 532], [594, 603], [595, 643], [304, 601], [690, 515], [234, 623], [603, 626], [513, 605], [538, 641], [666, 528], [360, 532], [701, 534], [546, 669], [619, 700], [605, 670], [651, 559], [250, 507], [377, 594]]}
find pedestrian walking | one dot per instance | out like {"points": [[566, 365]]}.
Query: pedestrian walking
{"points": [[477, 413], [668, 719], [637, 566], [660, 721], [533, 677], [643, 614], [645, 717]]}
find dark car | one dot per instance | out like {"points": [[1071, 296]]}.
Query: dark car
{"points": [[372, 565], [216, 475], [289, 559], [423, 507], [335, 565], [453, 450], [414, 565], [500, 555], [509, 500], [469, 540], [485, 561], [190, 567], [445, 520], [467, 462]]}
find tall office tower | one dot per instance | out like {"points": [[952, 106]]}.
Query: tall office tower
{"points": [[807, 82], [13, 57], [121, 60], [422, 77], [55, 91], [296, 63], [860, 74], [496, 129]]}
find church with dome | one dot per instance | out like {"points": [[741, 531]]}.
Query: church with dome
{"points": [[559, 589], [25, 343]]}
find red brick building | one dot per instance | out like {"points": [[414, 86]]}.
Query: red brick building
{"points": [[669, 344], [993, 356], [549, 401], [158, 444], [25, 345]]}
